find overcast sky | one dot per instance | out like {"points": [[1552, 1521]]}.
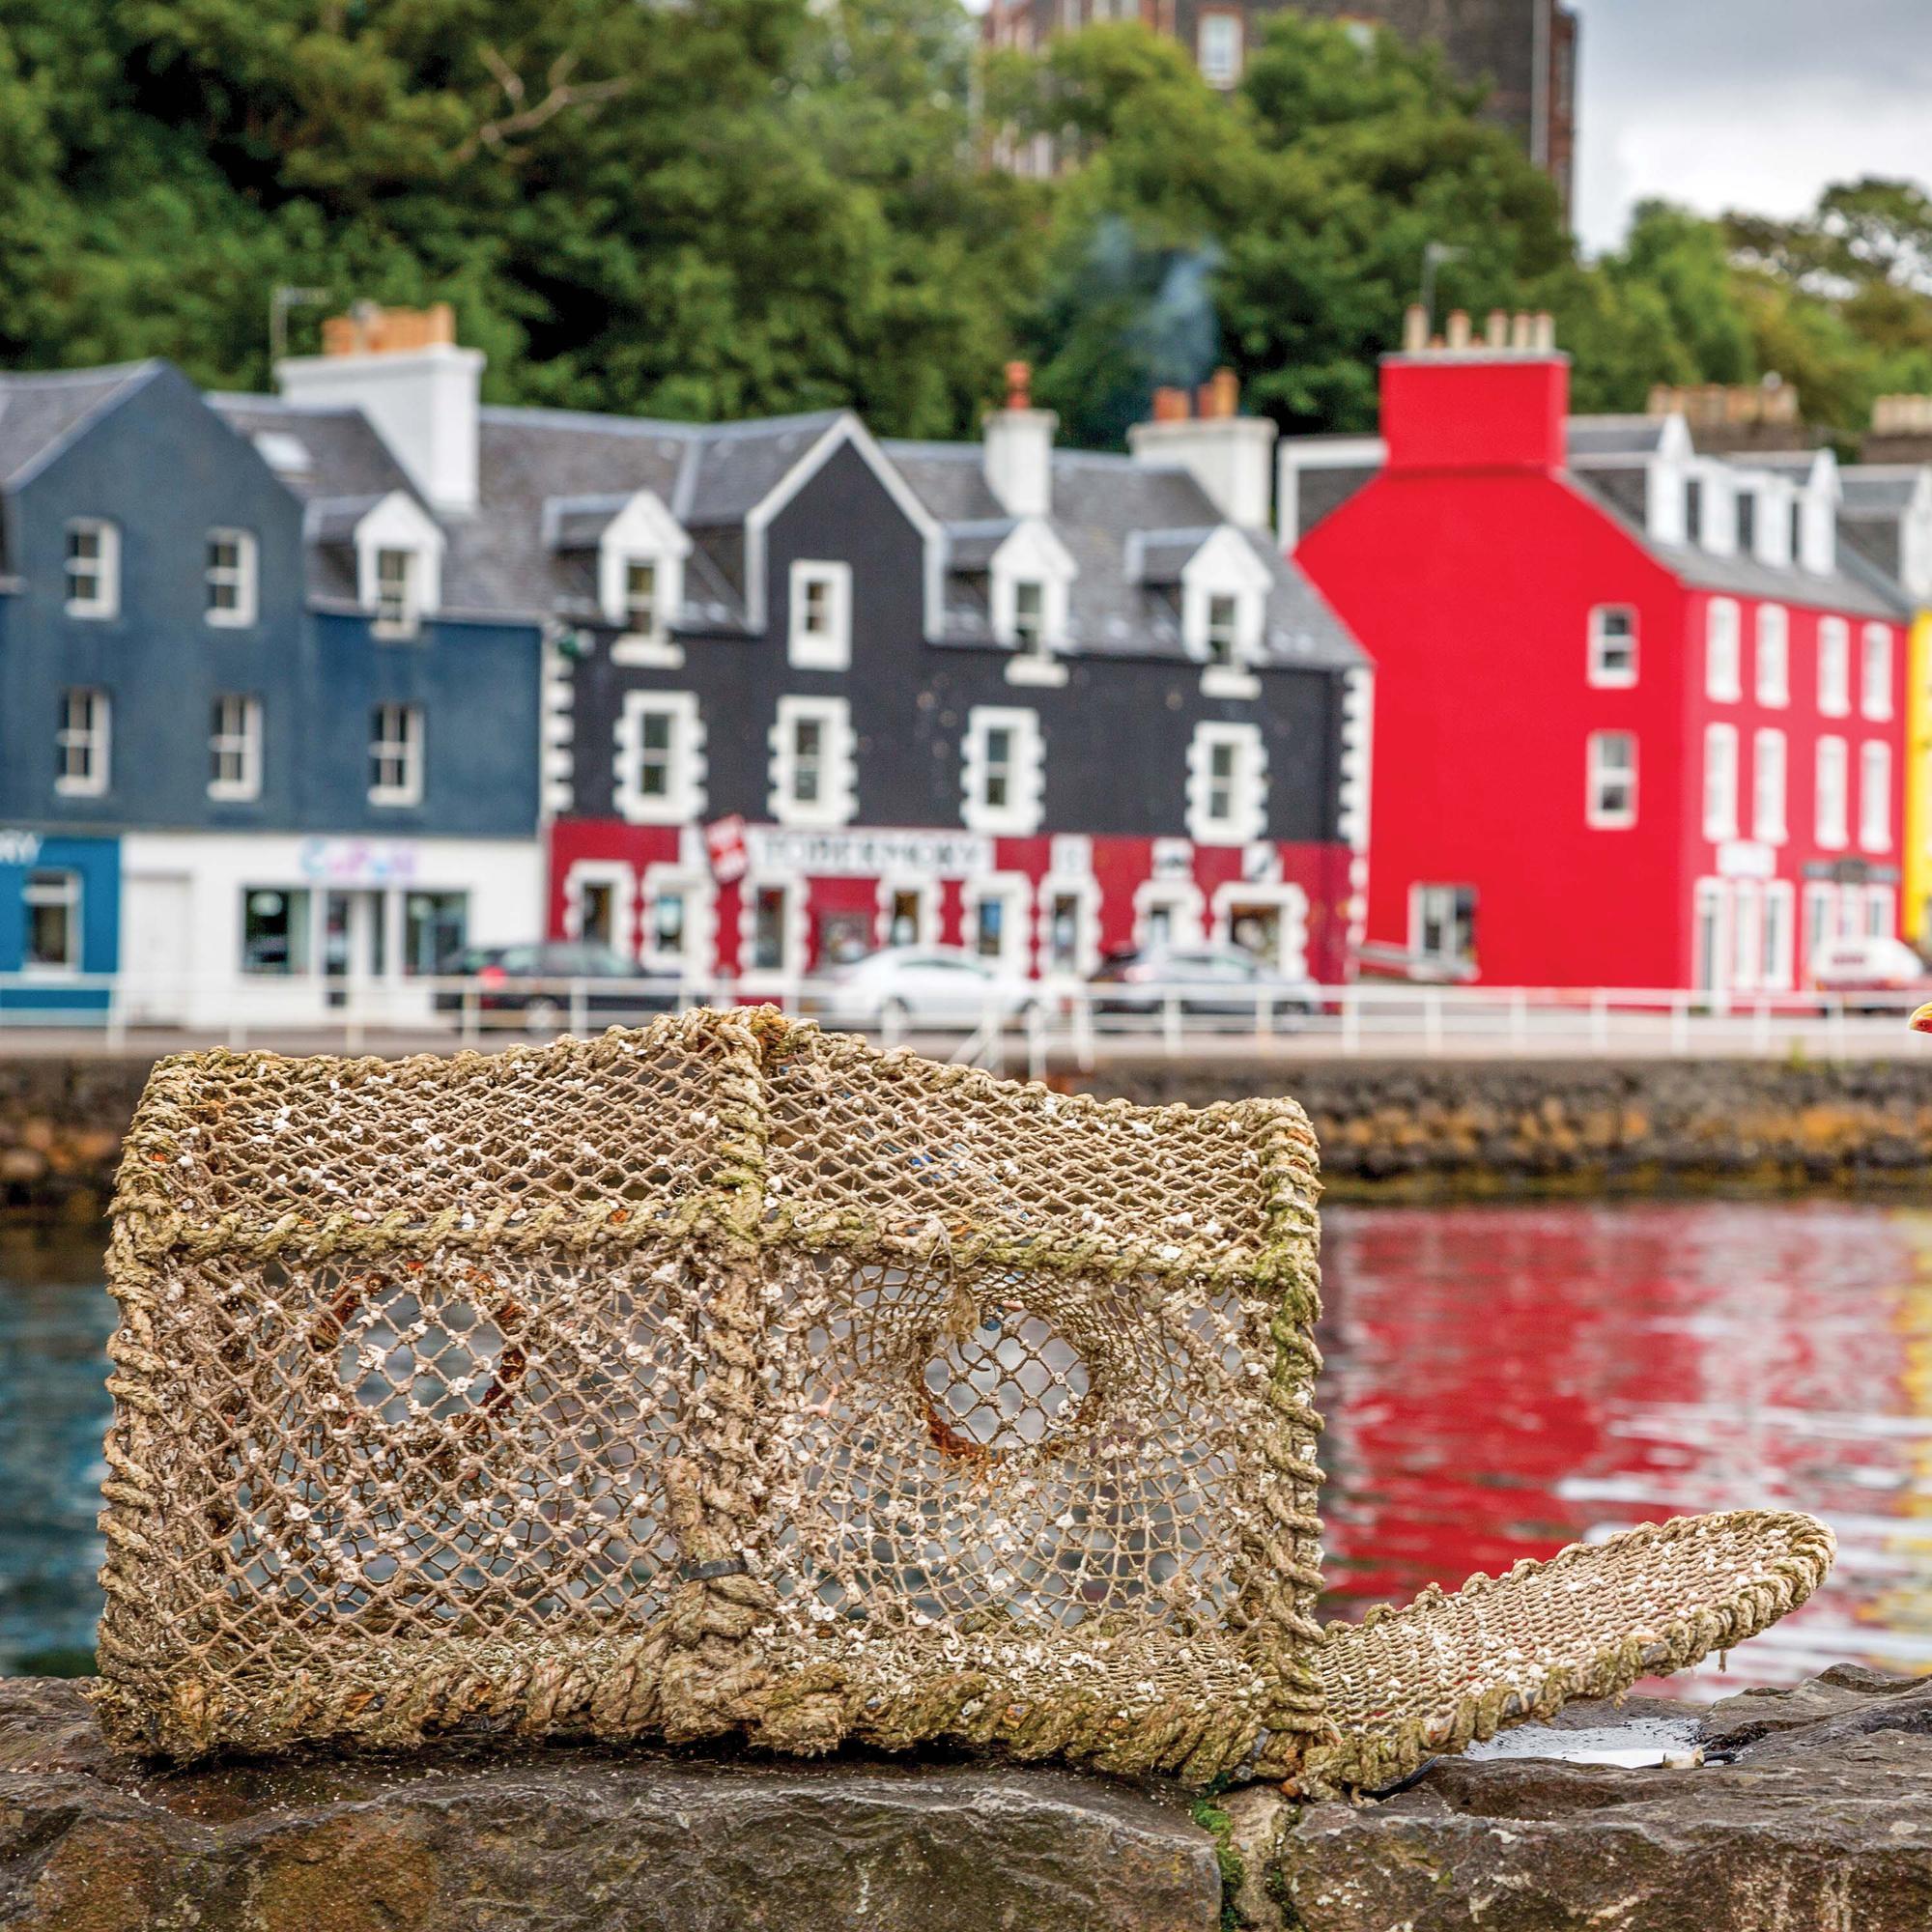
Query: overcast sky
{"points": [[1747, 103]]}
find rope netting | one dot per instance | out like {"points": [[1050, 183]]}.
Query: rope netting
{"points": [[726, 1377]]}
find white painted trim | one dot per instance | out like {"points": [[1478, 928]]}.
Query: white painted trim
{"points": [[1771, 665], [399, 523], [826, 650], [1770, 805], [837, 802], [1083, 888], [1595, 814], [557, 731], [684, 790], [1013, 891], [107, 603], [701, 917], [1875, 669], [926, 919], [794, 934], [1186, 905], [642, 532], [248, 786], [1598, 674], [1834, 667], [1041, 673], [603, 872], [1290, 900], [413, 747], [1723, 650], [99, 735], [1025, 771], [1832, 828], [1875, 796], [1247, 815], [247, 576]]}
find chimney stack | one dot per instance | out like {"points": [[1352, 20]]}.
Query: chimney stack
{"points": [[403, 369], [1499, 403], [1018, 449], [1227, 452]]}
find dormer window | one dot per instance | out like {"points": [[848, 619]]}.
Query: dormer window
{"points": [[1224, 631], [643, 614], [92, 568], [396, 589], [1029, 615]]}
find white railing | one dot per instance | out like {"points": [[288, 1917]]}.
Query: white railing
{"points": [[1017, 1024]]}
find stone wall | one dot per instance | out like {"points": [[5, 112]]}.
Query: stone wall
{"points": [[1573, 1126], [1389, 1130]]}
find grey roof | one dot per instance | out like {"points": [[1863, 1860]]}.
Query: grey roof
{"points": [[40, 415], [1746, 576], [1601, 437], [1110, 512], [578, 523], [1796, 464], [1879, 489], [738, 465]]}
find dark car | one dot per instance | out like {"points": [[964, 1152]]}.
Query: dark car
{"points": [[555, 985], [1216, 983]]}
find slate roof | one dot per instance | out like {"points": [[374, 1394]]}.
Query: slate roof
{"points": [[1111, 513], [1621, 436], [1878, 489], [40, 415]]}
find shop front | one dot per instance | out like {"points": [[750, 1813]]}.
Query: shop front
{"points": [[60, 920], [288, 930]]}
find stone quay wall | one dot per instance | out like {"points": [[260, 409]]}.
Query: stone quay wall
{"points": [[1390, 1131]]}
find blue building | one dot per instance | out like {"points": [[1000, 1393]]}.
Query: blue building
{"points": [[251, 750]]}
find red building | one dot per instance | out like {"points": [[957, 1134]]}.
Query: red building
{"points": [[1638, 720]]}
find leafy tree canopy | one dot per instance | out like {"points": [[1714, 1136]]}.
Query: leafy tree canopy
{"points": [[713, 208]]}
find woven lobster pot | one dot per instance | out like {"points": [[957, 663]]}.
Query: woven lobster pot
{"points": [[732, 1377]]}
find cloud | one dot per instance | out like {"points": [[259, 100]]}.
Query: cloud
{"points": [[1746, 103]]}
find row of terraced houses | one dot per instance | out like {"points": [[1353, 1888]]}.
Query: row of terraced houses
{"points": [[308, 693]]}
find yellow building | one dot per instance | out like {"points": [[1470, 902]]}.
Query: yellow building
{"points": [[1917, 867]]}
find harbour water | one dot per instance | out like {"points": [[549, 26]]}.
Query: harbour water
{"points": [[1501, 1380]]}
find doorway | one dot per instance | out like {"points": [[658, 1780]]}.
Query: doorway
{"points": [[354, 949]]}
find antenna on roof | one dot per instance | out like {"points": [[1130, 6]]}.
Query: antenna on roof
{"points": [[285, 298], [1434, 255]]}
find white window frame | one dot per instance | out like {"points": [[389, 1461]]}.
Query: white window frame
{"points": [[1875, 796], [240, 576], [829, 648], [1778, 938], [105, 600], [682, 800], [694, 885], [1721, 782], [1834, 667], [794, 934], [1603, 675], [1832, 789], [1019, 813], [1723, 651], [1185, 905], [926, 921], [1083, 889], [1602, 774], [1772, 679], [1012, 892], [642, 532], [584, 877], [1875, 672], [1422, 898], [1246, 817], [838, 800], [396, 613], [237, 737], [396, 737], [1770, 784], [71, 896], [1215, 72], [1881, 911], [93, 737]]}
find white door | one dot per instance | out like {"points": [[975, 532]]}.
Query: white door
{"points": [[155, 949]]}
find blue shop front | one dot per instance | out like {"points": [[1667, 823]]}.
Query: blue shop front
{"points": [[60, 919]]}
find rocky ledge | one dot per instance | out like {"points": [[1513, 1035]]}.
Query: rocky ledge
{"points": [[1812, 1812]]}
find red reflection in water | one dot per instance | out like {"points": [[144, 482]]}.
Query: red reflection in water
{"points": [[1503, 1380]]}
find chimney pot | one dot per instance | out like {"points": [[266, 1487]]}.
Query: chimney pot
{"points": [[1019, 386], [1225, 389], [1520, 330], [1458, 328], [1416, 329], [1170, 404], [1497, 329], [1546, 330]]}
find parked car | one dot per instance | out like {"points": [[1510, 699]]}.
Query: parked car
{"points": [[545, 986], [913, 988], [1888, 971], [1212, 982]]}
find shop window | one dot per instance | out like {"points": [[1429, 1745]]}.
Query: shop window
{"points": [[905, 918], [843, 936], [52, 904], [669, 921], [597, 900], [435, 929], [1064, 916], [276, 931], [771, 909]]}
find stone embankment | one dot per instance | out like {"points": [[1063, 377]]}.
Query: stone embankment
{"points": [[1389, 1130], [1812, 1812]]}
